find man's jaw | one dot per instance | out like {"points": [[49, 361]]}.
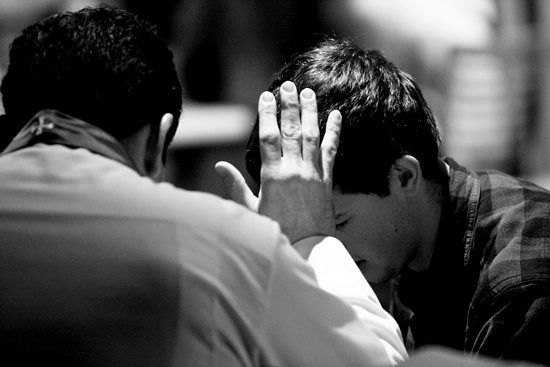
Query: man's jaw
{"points": [[362, 265]]}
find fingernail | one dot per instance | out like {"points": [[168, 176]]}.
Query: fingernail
{"points": [[267, 97], [288, 86], [307, 93]]}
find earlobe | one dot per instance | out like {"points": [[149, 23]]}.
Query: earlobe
{"points": [[409, 173]]}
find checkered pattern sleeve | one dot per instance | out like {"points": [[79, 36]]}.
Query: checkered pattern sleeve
{"points": [[510, 309]]}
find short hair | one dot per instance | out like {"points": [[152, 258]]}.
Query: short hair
{"points": [[385, 115], [102, 65]]}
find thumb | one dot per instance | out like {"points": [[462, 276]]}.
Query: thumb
{"points": [[235, 185]]}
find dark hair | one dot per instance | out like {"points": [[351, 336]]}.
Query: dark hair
{"points": [[384, 114], [102, 65]]}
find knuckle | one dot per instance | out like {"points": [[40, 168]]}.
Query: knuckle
{"points": [[310, 137], [291, 131], [330, 150], [269, 139], [309, 106], [333, 129], [291, 104], [293, 175], [302, 178], [267, 110]]}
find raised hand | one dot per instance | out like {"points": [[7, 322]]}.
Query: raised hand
{"points": [[296, 174]]}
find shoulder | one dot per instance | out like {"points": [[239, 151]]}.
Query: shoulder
{"points": [[503, 191], [513, 219], [200, 212], [517, 269], [512, 233], [516, 260], [104, 188]]}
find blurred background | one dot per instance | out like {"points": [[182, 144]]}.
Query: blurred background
{"points": [[484, 66]]}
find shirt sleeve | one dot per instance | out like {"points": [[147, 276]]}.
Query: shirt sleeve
{"points": [[322, 312]]}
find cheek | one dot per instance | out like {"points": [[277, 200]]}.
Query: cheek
{"points": [[352, 240], [347, 239], [360, 241]]}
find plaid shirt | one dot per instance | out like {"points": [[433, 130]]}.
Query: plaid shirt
{"points": [[487, 290]]}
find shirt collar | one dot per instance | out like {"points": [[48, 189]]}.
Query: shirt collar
{"points": [[53, 127], [464, 193]]}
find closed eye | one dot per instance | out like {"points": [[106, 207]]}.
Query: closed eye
{"points": [[341, 221], [341, 226]]}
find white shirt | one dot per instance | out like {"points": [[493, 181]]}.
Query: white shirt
{"points": [[149, 273]]}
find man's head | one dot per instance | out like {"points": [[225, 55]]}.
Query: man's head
{"points": [[384, 114], [389, 147], [101, 65]]}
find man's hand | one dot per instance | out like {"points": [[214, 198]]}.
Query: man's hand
{"points": [[296, 186], [296, 173]]}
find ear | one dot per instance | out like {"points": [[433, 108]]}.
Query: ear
{"points": [[165, 124], [407, 174]]}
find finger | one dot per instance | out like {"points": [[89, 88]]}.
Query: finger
{"points": [[310, 128], [291, 129], [270, 138], [329, 146], [235, 185]]}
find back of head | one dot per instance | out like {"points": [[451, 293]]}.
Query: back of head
{"points": [[384, 114], [101, 65]]}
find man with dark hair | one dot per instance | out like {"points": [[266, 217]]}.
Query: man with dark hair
{"points": [[65, 71], [102, 266], [469, 250]]}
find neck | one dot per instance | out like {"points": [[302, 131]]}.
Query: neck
{"points": [[136, 146], [431, 207]]}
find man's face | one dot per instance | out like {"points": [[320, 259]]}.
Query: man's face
{"points": [[377, 232]]}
